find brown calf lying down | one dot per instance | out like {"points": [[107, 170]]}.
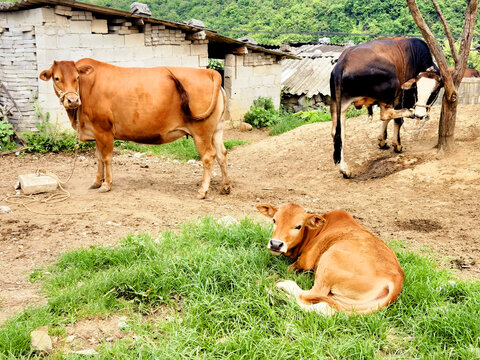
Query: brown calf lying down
{"points": [[355, 271], [146, 105]]}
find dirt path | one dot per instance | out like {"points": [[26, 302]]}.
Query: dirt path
{"points": [[430, 201]]}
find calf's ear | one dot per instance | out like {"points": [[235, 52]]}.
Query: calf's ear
{"points": [[267, 210], [46, 75], [408, 85], [85, 69], [314, 221]]}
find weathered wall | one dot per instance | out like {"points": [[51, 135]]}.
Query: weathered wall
{"points": [[43, 35], [248, 77]]}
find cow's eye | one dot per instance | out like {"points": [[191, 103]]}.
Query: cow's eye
{"points": [[274, 221], [298, 227], [57, 78]]}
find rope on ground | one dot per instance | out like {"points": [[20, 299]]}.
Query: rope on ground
{"points": [[26, 200]]}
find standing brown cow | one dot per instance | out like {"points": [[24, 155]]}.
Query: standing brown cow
{"points": [[146, 105]]}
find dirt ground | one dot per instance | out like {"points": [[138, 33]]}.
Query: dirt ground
{"points": [[428, 200]]}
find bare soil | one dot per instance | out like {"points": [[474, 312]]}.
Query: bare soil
{"points": [[427, 199]]}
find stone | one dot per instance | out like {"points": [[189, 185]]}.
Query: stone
{"points": [[5, 209], [227, 221], [140, 9], [99, 26], [34, 184], [40, 341], [245, 126], [196, 23]]}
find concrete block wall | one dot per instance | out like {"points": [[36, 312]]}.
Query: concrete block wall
{"points": [[248, 77], [468, 92], [32, 39]]}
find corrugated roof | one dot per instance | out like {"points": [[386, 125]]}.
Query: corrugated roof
{"points": [[212, 35], [311, 75]]}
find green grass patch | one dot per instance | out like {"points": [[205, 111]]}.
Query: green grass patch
{"points": [[219, 283], [289, 121], [181, 149]]}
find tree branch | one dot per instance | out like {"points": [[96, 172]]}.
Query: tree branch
{"points": [[448, 33], [434, 48], [467, 37]]}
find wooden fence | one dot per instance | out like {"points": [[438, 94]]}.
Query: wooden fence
{"points": [[468, 93]]}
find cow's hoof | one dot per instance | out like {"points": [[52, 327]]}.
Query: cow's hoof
{"points": [[398, 148], [347, 174], [104, 189], [94, 186], [288, 286], [201, 195], [226, 189], [385, 146]]}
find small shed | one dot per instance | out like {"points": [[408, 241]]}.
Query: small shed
{"points": [[306, 83], [34, 33]]}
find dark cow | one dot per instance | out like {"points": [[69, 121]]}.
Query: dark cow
{"points": [[146, 105], [469, 73], [396, 73]]}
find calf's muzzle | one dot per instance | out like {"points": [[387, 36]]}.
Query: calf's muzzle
{"points": [[275, 245]]}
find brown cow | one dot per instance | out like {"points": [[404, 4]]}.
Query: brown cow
{"points": [[355, 271], [146, 105], [469, 73]]}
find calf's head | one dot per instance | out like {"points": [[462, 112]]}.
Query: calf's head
{"points": [[66, 81], [289, 226], [428, 83]]}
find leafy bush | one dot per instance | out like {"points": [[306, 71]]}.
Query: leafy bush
{"points": [[6, 133], [262, 113], [50, 138], [215, 64]]}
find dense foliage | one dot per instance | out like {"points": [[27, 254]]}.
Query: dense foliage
{"points": [[277, 21]]}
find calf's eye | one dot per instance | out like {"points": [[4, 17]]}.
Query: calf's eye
{"points": [[274, 221], [57, 78], [298, 227]]}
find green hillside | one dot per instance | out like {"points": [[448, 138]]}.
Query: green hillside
{"points": [[277, 21]]}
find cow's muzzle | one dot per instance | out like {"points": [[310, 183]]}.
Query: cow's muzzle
{"points": [[72, 102], [276, 246]]}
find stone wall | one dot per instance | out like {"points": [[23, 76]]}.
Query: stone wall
{"points": [[33, 39], [248, 77]]}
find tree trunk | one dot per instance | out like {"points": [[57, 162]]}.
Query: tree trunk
{"points": [[446, 126]]}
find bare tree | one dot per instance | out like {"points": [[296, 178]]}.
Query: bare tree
{"points": [[453, 79]]}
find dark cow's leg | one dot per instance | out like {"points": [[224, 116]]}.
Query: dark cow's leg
{"points": [[207, 153], [370, 112], [382, 138], [396, 143], [100, 170], [105, 147]]}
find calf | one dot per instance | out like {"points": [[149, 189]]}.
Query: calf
{"points": [[355, 271]]}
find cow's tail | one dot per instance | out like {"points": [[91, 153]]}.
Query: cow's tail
{"points": [[337, 139], [185, 98], [392, 292]]}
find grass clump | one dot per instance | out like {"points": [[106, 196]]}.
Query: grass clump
{"points": [[6, 136], [181, 149], [219, 282]]}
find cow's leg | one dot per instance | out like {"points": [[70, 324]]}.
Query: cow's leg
{"points": [[207, 153], [343, 167], [387, 112], [105, 147], [396, 143], [382, 138], [221, 155], [303, 297], [100, 170]]}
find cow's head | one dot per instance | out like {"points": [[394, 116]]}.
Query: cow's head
{"points": [[428, 83], [66, 81], [289, 223]]}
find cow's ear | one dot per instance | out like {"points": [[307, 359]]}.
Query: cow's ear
{"points": [[85, 69], [46, 75], [267, 210], [314, 221], [408, 85]]}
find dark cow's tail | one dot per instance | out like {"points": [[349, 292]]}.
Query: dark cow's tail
{"points": [[185, 99], [337, 140]]}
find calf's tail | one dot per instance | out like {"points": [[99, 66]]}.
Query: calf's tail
{"points": [[185, 98]]}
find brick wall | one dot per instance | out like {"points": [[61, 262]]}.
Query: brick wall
{"points": [[248, 77], [33, 39]]}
